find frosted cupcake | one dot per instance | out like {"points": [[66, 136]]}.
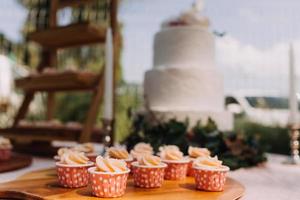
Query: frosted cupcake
{"points": [[72, 169], [148, 172], [88, 149], [195, 152], [210, 174], [140, 150], [109, 177], [120, 153], [5, 148], [177, 164]]}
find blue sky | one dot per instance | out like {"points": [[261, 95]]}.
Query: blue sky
{"points": [[12, 17], [255, 47]]}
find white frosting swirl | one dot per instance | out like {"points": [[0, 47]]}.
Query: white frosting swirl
{"points": [[73, 158], [110, 165], [169, 147], [117, 153], [86, 148], [62, 151], [149, 160], [171, 154], [141, 149], [195, 152], [208, 163]]}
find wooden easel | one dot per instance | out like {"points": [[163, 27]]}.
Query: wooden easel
{"points": [[52, 39]]}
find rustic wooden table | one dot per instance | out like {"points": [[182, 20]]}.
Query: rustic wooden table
{"points": [[272, 181]]}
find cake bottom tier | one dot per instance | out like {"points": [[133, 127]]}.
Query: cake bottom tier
{"points": [[223, 119], [184, 89]]}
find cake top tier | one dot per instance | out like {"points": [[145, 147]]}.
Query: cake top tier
{"points": [[191, 17]]}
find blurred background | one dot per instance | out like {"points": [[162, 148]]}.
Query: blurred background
{"points": [[253, 41]]}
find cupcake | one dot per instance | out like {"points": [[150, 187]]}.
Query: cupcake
{"points": [[195, 152], [72, 169], [5, 148], [148, 172], [141, 149], [210, 174], [109, 177], [88, 149], [120, 153], [177, 164]]}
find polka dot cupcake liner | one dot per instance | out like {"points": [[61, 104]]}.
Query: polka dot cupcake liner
{"points": [[108, 185], [190, 170], [5, 154], [129, 161], [73, 176], [176, 170], [148, 176], [210, 180]]}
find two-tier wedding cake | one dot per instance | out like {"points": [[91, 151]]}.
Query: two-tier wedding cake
{"points": [[185, 82]]}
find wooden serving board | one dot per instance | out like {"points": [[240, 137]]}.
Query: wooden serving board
{"points": [[43, 185], [17, 161]]}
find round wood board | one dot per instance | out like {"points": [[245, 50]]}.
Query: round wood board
{"points": [[43, 185], [17, 161]]}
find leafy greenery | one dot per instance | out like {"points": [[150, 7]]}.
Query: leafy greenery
{"points": [[275, 139], [73, 107], [236, 150]]}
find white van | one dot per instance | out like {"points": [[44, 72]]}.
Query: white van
{"points": [[266, 109]]}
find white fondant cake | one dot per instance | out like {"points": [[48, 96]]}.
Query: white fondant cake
{"points": [[184, 89], [184, 47], [185, 82]]}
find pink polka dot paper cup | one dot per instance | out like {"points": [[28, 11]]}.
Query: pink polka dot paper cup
{"points": [[108, 184], [210, 179], [73, 176], [176, 169], [5, 154], [148, 176], [129, 161], [190, 170]]}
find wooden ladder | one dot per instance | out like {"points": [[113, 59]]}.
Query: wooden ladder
{"points": [[52, 39]]}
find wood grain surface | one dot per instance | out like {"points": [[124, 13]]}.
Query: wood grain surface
{"points": [[17, 161], [43, 185]]}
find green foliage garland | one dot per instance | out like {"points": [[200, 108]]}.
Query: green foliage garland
{"points": [[236, 150]]}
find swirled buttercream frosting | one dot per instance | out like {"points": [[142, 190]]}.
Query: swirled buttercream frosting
{"points": [[117, 153], [86, 148], [195, 152], [73, 158], [208, 162], [141, 149], [62, 151], [110, 165], [149, 160], [171, 154], [169, 147]]}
